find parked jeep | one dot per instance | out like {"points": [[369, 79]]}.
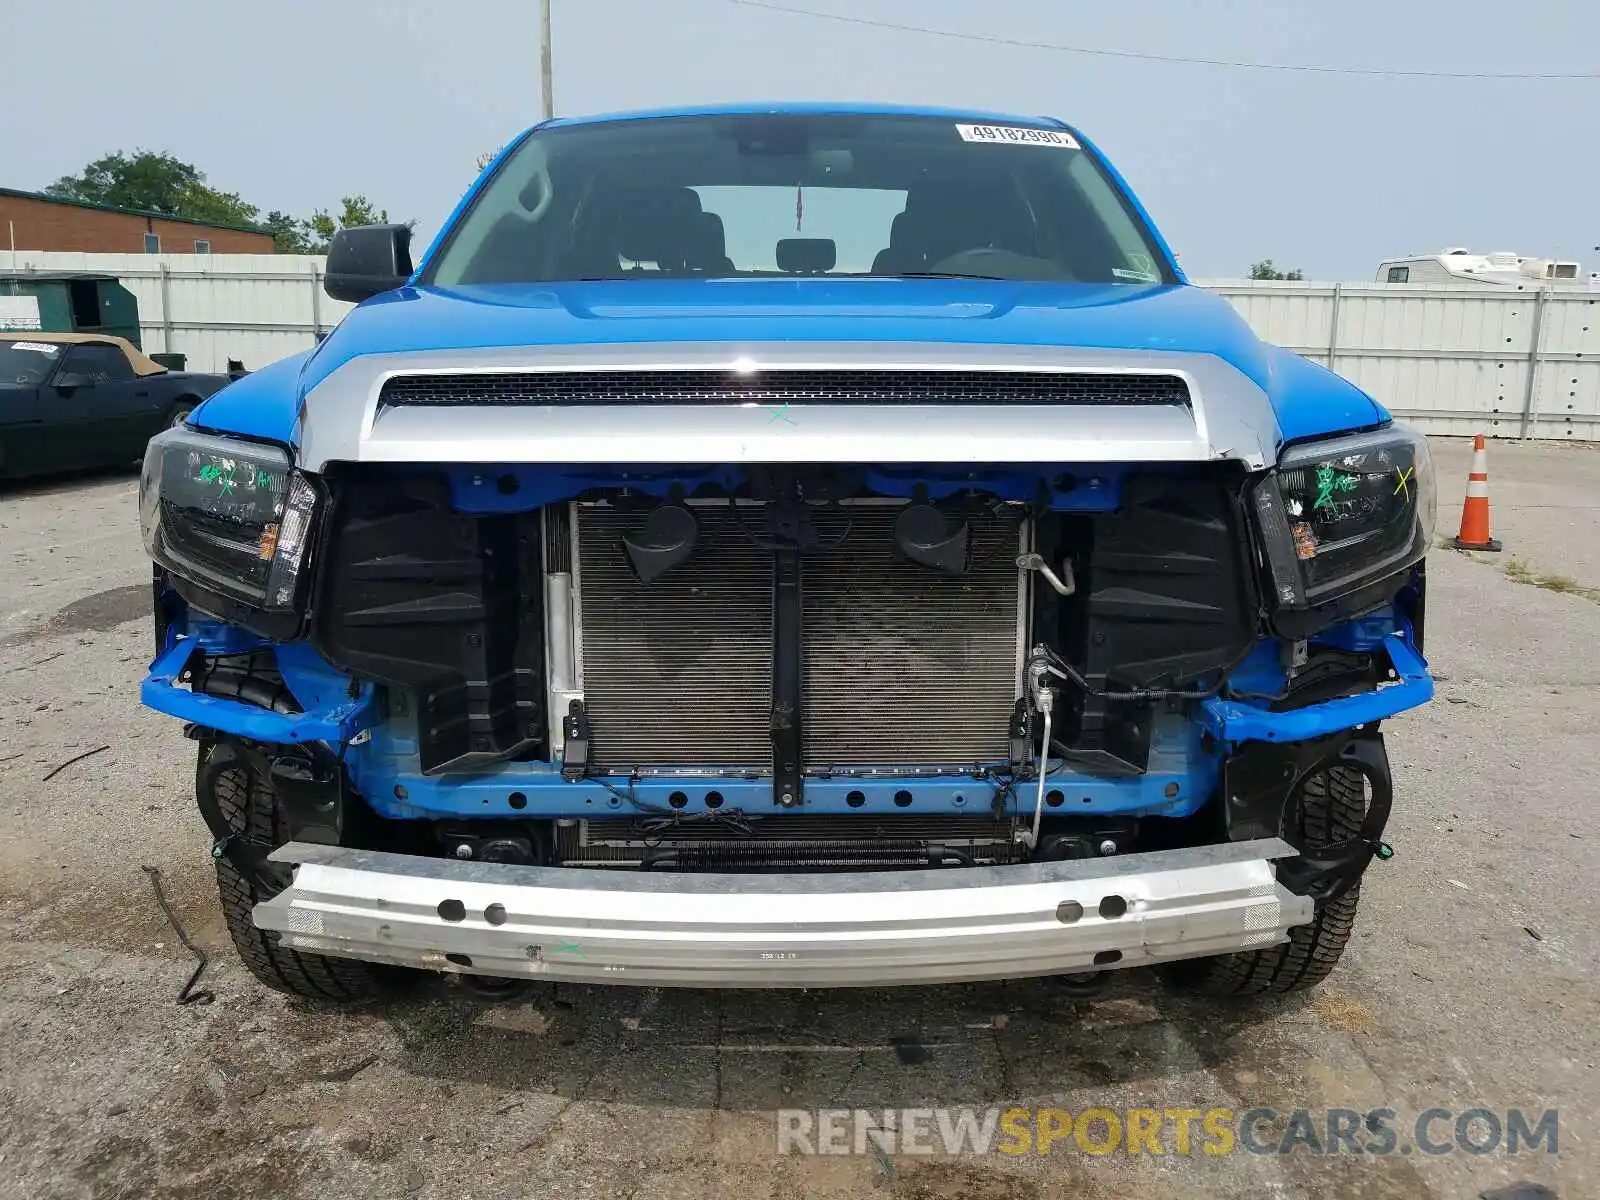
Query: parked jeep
{"points": [[789, 547]]}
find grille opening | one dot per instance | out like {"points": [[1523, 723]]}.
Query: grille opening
{"points": [[878, 690], [785, 386]]}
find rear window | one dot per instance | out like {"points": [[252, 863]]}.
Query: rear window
{"points": [[799, 195]]}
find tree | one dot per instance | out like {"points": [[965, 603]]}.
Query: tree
{"points": [[1265, 270], [357, 210], [288, 233], [154, 182], [163, 183]]}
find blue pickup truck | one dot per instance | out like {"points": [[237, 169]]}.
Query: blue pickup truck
{"points": [[788, 546]]}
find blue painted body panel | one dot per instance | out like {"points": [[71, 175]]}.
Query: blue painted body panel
{"points": [[815, 107], [1232, 721], [1308, 401], [335, 721], [261, 405], [383, 762], [1071, 487], [546, 795]]}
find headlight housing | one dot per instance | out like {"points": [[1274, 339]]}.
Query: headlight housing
{"points": [[231, 516], [1346, 512]]}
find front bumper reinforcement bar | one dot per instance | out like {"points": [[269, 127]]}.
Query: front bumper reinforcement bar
{"points": [[783, 930]]}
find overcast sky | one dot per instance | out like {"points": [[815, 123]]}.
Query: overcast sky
{"points": [[294, 103]]}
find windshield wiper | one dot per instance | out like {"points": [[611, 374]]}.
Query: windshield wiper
{"points": [[943, 275]]}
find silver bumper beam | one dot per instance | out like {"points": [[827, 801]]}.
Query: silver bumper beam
{"points": [[799, 930]]}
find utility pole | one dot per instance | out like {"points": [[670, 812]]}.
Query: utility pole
{"points": [[546, 82]]}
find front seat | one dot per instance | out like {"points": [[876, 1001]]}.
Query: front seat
{"points": [[662, 226], [708, 246], [898, 255], [935, 224]]}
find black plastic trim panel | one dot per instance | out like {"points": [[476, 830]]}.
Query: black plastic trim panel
{"points": [[784, 386], [446, 605]]}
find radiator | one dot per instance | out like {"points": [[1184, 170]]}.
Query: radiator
{"points": [[901, 666], [677, 672]]}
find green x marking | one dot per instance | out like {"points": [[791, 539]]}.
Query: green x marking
{"points": [[571, 948]]}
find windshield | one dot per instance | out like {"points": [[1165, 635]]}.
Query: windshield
{"points": [[799, 195], [26, 364]]}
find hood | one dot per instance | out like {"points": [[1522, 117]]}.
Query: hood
{"points": [[994, 312], [1308, 401], [259, 405]]}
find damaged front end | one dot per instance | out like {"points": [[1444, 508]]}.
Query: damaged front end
{"points": [[549, 699]]}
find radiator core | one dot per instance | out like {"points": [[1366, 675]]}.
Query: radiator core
{"points": [[901, 665]]}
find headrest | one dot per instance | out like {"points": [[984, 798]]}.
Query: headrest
{"points": [[707, 247], [657, 225], [900, 231]]}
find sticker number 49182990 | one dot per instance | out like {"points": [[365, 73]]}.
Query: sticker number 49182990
{"points": [[1018, 135]]}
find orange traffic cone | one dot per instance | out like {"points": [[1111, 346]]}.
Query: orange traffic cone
{"points": [[1474, 533]]}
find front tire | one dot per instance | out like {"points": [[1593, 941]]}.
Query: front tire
{"points": [[249, 806], [1333, 803]]}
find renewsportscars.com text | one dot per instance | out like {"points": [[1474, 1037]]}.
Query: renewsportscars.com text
{"points": [[1214, 1131]]}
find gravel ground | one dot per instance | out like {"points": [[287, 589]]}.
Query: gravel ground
{"points": [[1472, 980]]}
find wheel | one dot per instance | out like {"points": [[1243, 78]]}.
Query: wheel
{"points": [[247, 803], [179, 413], [1333, 803]]}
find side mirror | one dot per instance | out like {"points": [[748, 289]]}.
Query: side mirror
{"points": [[366, 260], [68, 380]]}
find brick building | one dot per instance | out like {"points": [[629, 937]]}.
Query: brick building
{"points": [[30, 221]]}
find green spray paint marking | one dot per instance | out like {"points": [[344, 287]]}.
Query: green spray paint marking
{"points": [[221, 476], [1330, 481]]}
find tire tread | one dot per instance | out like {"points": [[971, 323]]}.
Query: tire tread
{"points": [[247, 803], [1333, 806]]}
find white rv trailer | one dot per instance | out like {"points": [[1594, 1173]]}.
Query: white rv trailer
{"points": [[1502, 268]]}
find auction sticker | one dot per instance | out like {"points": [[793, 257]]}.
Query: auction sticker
{"points": [[36, 347], [1018, 135]]}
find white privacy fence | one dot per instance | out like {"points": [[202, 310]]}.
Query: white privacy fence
{"points": [[1500, 361], [255, 308], [1455, 360]]}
